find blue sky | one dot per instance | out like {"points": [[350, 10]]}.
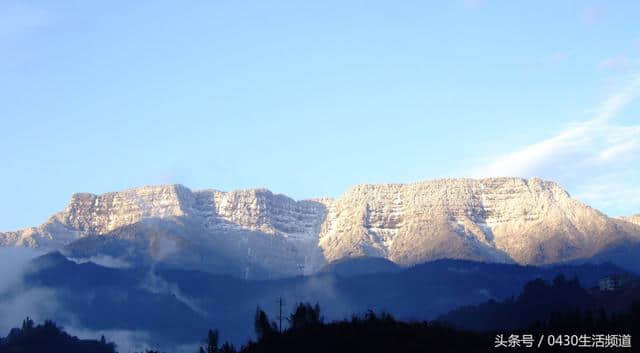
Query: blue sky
{"points": [[307, 98]]}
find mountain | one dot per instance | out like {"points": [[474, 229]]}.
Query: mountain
{"points": [[248, 233], [49, 338], [498, 220], [545, 302], [348, 267], [633, 219], [176, 306], [258, 234]]}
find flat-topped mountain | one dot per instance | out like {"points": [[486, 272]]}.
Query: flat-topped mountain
{"points": [[256, 234], [633, 219]]}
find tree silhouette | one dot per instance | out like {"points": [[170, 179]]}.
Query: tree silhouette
{"points": [[212, 341], [305, 315], [264, 328], [227, 348], [49, 338], [27, 325]]}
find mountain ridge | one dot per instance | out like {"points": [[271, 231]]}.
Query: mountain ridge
{"points": [[526, 221], [635, 219]]}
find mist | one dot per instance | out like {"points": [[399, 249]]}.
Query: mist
{"points": [[16, 301], [19, 301], [103, 260]]}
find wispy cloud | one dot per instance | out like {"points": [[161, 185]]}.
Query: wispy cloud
{"points": [[103, 260], [617, 192], [16, 300], [592, 151], [621, 150], [126, 341], [616, 63]]}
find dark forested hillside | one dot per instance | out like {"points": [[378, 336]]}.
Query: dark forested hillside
{"points": [[173, 305], [305, 330], [371, 333], [49, 338], [381, 332], [561, 302]]}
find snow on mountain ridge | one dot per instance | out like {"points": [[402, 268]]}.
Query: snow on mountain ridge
{"points": [[495, 219], [635, 219]]}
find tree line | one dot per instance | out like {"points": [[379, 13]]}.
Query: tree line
{"points": [[375, 332]]}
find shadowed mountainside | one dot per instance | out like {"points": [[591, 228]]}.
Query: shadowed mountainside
{"points": [[171, 302]]}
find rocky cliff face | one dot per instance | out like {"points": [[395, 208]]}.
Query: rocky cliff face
{"points": [[245, 232], [263, 234], [499, 219], [633, 219], [255, 210]]}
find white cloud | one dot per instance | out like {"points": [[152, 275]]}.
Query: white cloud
{"points": [[585, 155], [125, 340], [621, 151], [16, 259], [103, 260], [156, 284], [16, 301], [615, 192]]}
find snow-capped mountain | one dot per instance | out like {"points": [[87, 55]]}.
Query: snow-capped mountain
{"points": [[257, 234], [633, 219]]}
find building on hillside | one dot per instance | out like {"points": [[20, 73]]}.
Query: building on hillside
{"points": [[614, 282]]}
